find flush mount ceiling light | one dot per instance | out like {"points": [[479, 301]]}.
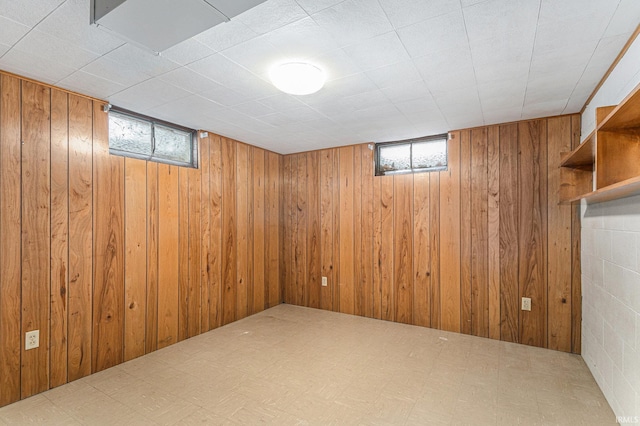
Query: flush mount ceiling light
{"points": [[297, 78]]}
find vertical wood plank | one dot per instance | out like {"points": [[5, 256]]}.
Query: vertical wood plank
{"points": [[287, 249], [336, 230], [385, 249], [10, 243], [205, 239], [168, 263], [183, 253], [559, 239], [493, 232], [346, 274], [36, 233], [421, 251], [465, 231], [242, 223], [79, 345], [576, 268], [326, 226], [402, 247], [301, 282], [229, 232], [135, 260], [479, 241], [359, 297], [366, 270], [434, 244], [59, 295], [152, 207], [450, 238], [273, 224], [108, 237], [258, 209], [217, 242], [509, 229], [195, 240], [313, 235], [533, 231]]}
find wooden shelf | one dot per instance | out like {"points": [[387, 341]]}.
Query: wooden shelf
{"points": [[609, 156], [626, 188], [583, 156]]}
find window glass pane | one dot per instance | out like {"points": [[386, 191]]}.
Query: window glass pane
{"points": [[173, 144], [395, 158], [129, 134], [431, 154]]}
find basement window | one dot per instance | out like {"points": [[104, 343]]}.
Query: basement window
{"points": [[427, 154], [138, 136]]}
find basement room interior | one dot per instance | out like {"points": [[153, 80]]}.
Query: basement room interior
{"points": [[320, 212]]}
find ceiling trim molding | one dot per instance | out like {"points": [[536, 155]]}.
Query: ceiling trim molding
{"points": [[612, 67]]}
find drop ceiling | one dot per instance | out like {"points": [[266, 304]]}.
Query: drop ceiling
{"points": [[396, 68]]}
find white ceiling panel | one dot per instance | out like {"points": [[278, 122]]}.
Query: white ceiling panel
{"points": [[4, 48], [272, 15], [255, 55], [500, 18], [354, 20], [253, 109], [188, 51], [148, 94], [28, 12], [34, 66], [336, 64], [394, 74], [437, 35], [189, 80], [377, 52], [395, 68], [90, 84], [11, 31], [142, 60], [313, 6], [54, 49], [226, 35], [69, 22], [127, 73], [406, 91], [281, 102], [301, 40], [624, 20], [402, 13]]}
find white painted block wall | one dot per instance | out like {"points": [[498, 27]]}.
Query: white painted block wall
{"points": [[611, 270]]}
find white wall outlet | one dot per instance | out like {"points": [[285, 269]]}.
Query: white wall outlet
{"points": [[526, 303], [32, 340], [324, 281]]}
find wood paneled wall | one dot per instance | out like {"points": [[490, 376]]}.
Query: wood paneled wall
{"points": [[454, 250], [111, 257]]}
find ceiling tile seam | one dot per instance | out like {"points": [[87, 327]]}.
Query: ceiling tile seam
{"points": [[32, 28], [531, 58], [591, 57], [94, 75], [318, 11], [412, 59], [475, 77]]}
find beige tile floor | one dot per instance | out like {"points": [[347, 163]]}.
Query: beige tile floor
{"points": [[293, 365]]}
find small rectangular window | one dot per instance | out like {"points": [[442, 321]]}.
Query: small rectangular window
{"points": [[138, 136], [428, 154]]}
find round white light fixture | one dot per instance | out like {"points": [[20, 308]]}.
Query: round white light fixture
{"points": [[297, 78]]}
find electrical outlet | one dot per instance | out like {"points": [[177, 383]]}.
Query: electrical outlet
{"points": [[526, 303], [32, 340], [324, 281]]}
